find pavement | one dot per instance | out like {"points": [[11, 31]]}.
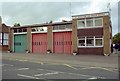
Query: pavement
{"points": [[78, 60]]}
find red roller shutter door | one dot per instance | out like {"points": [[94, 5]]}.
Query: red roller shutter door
{"points": [[39, 43], [62, 42], [67, 42], [57, 39]]}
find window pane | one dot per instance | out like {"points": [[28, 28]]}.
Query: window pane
{"points": [[5, 42], [24, 30], [0, 35], [55, 27], [33, 30], [98, 22], [5, 35], [20, 30], [90, 41], [62, 27], [81, 42], [15, 30], [80, 23], [89, 23], [68, 26], [0, 41], [98, 42]]}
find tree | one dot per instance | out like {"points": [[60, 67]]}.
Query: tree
{"points": [[116, 38], [16, 24]]}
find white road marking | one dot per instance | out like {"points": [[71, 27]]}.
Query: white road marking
{"points": [[96, 78], [50, 70], [98, 68], [70, 66], [31, 77], [47, 74], [68, 73], [23, 69], [92, 78]]}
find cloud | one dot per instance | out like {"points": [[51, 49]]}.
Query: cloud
{"points": [[40, 12]]}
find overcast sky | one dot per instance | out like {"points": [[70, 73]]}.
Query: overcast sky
{"points": [[34, 12]]}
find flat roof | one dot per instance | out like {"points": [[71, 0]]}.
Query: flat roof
{"points": [[90, 15], [44, 24]]}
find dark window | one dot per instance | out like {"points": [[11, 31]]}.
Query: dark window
{"points": [[20, 30], [15, 30], [24, 30], [33, 30], [17, 43]]}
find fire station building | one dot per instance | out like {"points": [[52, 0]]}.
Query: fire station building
{"points": [[84, 34]]}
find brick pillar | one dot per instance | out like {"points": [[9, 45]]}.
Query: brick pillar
{"points": [[106, 33], [10, 39], [49, 38], [29, 40], [74, 35]]}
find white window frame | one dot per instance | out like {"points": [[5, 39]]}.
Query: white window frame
{"points": [[61, 30], [86, 23], [102, 42], [91, 26], [90, 46], [0, 38], [81, 39], [81, 26], [98, 19], [5, 38]]}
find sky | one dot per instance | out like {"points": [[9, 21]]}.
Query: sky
{"points": [[42, 11]]}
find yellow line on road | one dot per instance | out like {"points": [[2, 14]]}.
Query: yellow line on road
{"points": [[70, 66]]}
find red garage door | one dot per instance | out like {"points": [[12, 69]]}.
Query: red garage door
{"points": [[62, 42], [39, 43]]}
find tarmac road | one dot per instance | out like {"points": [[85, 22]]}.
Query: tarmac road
{"points": [[27, 70], [51, 67]]}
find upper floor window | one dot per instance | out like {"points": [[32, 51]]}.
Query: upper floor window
{"points": [[20, 30], [98, 21], [88, 23], [80, 23], [62, 27], [39, 29]]}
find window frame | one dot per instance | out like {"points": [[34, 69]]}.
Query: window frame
{"points": [[98, 19], [1, 38], [94, 38], [89, 20], [82, 39], [5, 40], [85, 20], [81, 26], [99, 45]]}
